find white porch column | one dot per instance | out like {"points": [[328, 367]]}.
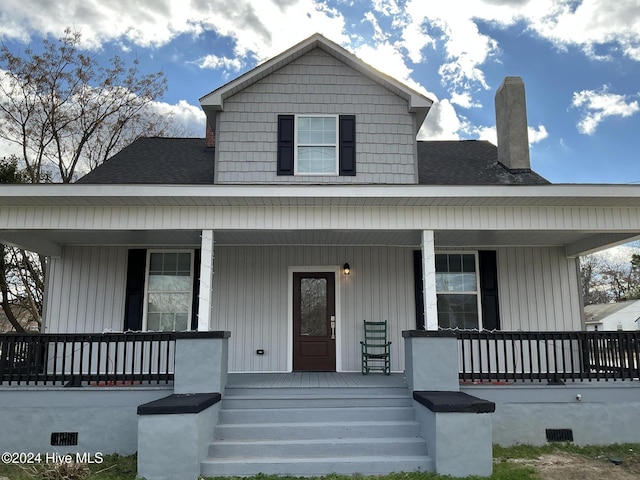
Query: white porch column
{"points": [[206, 281], [429, 280]]}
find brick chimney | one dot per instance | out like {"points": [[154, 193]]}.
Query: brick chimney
{"points": [[511, 125], [210, 137]]}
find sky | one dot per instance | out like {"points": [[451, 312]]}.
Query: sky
{"points": [[579, 59]]}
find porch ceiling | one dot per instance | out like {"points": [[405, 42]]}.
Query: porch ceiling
{"points": [[37, 240]]}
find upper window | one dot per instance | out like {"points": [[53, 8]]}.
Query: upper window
{"points": [[316, 145], [169, 289], [457, 288]]}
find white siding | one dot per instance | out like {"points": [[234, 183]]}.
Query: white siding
{"points": [[251, 300], [538, 290], [85, 290], [316, 83]]}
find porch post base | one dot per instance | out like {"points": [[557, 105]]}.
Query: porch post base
{"points": [[201, 362], [431, 360]]}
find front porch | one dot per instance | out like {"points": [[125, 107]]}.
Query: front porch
{"points": [[541, 384]]}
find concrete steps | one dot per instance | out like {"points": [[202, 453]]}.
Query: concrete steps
{"points": [[316, 431]]}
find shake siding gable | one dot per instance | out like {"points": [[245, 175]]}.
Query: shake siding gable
{"points": [[316, 83]]}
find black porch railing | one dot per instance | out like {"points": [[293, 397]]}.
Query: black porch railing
{"points": [[548, 356], [87, 359]]}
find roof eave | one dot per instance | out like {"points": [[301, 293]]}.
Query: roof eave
{"points": [[441, 195]]}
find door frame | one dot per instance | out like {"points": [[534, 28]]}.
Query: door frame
{"points": [[336, 270]]}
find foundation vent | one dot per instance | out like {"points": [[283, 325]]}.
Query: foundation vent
{"points": [[559, 435], [64, 439]]}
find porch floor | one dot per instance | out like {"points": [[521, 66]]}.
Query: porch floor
{"points": [[314, 380]]}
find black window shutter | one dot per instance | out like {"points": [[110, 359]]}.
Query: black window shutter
{"points": [[489, 290], [134, 297], [347, 149], [196, 290], [285, 144], [417, 280]]}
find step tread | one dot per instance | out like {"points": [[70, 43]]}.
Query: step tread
{"points": [[385, 408], [349, 459], [324, 424], [287, 396], [386, 440]]}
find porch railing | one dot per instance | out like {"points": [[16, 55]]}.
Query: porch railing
{"points": [[87, 359], [548, 356]]}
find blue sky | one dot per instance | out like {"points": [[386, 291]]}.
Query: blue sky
{"points": [[580, 60]]}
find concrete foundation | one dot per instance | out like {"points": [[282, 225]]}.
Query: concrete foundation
{"points": [[104, 418], [597, 413]]}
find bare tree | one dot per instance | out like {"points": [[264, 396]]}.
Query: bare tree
{"points": [[63, 109], [591, 280], [605, 278], [67, 114]]}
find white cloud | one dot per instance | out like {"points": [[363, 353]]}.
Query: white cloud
{"points": [[255, 26], [464, 100], [490, 134], [442, 123], [596, 106], [378, 33], [404, 32], [216, 62], [386, 7], [187, 120], [590, 24], [537, 134], [486, 133]]}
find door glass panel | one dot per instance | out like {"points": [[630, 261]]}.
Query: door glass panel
{"points": [[313, 306]]}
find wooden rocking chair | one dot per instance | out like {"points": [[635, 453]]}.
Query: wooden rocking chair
{"points": [[376, 350]]}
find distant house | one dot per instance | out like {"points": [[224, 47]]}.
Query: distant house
{"points": [[613, 316]]}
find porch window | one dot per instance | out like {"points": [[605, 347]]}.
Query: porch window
{"points": [[457, 290], [169, 290]]}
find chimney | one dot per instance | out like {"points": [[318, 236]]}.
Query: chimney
{"points": [[210, 137], [511, 125]]}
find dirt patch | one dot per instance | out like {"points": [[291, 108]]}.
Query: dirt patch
{"points": [[567, 466]]}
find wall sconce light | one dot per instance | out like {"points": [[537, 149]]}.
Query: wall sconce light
{"points": [[346, 269]]}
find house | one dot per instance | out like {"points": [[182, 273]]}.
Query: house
{"points": [[612, 316], [310, 207]]}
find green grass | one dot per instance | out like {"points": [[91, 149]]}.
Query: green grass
{"points": [[117, 467], [501, 471], [627, 451], [114, 467]]}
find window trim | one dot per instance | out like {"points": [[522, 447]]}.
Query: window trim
{"points": [[477, 292], [336, 145], [145, 312]]}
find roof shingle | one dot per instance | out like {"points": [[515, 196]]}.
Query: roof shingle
{"points": [[187, 161]]}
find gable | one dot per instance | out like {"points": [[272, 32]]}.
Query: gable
{"points": [[315, 84]]}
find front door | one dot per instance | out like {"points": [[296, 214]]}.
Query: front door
{"points": [[314, 310]]}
